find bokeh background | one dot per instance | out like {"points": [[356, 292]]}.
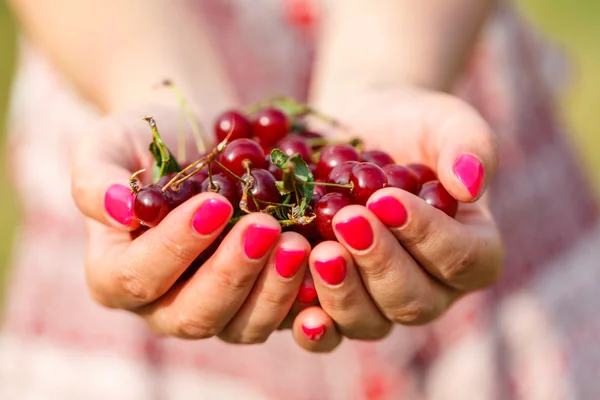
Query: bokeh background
{"points": [[573, 25]]}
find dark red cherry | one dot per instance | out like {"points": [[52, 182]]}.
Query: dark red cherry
{"points": [[437, 196], [422, 172], [402, 178]]}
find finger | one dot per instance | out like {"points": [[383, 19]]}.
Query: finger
{"points": [[465, 149], [307, 296], [315, 331], [102, 163], [342, 294], [464, 253], [127, 274], [215, 293], [404, 292], [273, 294]]}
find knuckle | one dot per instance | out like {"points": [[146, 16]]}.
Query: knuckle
{"points": [[245, 337], [339, 303], [415, 312], [187, 326], [377, 331], [273, 301], [461, 267], [178, 252], [131, 286], [232, 278]]}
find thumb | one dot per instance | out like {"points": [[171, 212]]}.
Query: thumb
{"points": [[466, 147], [102, 163]]}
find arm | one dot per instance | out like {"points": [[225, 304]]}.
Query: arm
{"points": [[116, 52], [366, 44]]}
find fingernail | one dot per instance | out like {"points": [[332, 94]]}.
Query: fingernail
{"points": [[258, 239], [333, 271], [357, 232], [307, 293], [288, 261], [469, 171], [313, 333], [389, 210], [210, 216], [118, 202]]}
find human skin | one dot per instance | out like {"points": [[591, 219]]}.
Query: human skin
{"points": [[392, 95]]}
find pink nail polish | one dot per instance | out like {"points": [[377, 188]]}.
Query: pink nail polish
{"points": [[333, 271], [258, 239], [389, 210], [307, 293], [357, 232], [469, 171], [118, 202], [313, 333], [210, 216], [288, 261]]}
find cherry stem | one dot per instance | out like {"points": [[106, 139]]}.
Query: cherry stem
{"points": [[177, 179], [164, 157], [274, 204], [181, 150], [203, 161], [197, 132], [134, 183], [341, 185], [230, 172], [210, 179]]}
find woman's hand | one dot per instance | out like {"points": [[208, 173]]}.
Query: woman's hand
{"points": [[399, 260], [237, 295]]}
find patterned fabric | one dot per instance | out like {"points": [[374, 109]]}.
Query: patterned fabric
{"points": [[527, 338]]}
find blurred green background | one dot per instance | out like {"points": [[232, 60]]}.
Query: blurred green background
{"points": [[572, 24]]}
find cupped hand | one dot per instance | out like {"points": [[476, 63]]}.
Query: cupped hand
{"points": [[400, 260], [241, 294]]}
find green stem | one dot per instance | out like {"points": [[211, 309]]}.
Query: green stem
{"points": [[229, 171], [341, 185]]}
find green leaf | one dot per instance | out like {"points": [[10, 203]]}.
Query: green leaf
{"points": [[297, 178], [165, 162], [278, 158]]}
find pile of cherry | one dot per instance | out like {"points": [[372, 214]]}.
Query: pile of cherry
{"points": [[268, 162]]}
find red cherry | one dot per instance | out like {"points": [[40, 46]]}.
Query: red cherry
{"points": [[437, 196], [238, 151], [377, 157], [402, 178], [232, 118], [333, 155], [271, 125], [325, 210], [341, 175], [367, 178], [422, 172]]}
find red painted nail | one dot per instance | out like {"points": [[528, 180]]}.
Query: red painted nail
{"points": [[210, 216], [118, 202], [469, 171], [288, 261], [258, 239], [313, 333], [389, 211], [333, 271], [307, 293], [357, 232]]}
